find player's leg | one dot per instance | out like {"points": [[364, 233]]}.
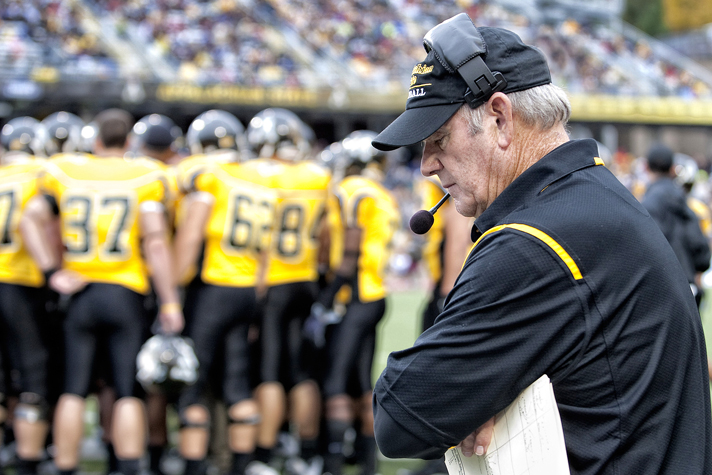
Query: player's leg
{"points": [[366, 440], [124, 315], [156, 407], [358, 323], [206, 318], [242, 410], [3, 402], [432, 308], [304, 397], [270, 393], [80, 344], [23, 310]]}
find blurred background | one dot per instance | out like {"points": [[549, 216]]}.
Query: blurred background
{"points": [[636, 71]]}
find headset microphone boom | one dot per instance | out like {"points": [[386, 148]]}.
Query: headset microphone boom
{"points": [[422, 221]]}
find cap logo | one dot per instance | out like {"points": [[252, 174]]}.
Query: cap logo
{"points": [[417, 90], [422, 69]]}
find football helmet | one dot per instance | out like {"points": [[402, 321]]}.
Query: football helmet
{"points": [[156, 131], [89, 134], [329, 157], [356, 150], [279, 133], [685, 168], [64, 132], [166, 363], [23, 134], [215, 130]]}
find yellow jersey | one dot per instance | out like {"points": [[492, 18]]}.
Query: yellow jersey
{"points": [[18, 183], [703, 213], [369, 206], [430, 191], [241, 220], [303, 189], [99, 201]]}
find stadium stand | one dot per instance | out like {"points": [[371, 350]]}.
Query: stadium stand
{"points": [[296, 43], [38, 34]]}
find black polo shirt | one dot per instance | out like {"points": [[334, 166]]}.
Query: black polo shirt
{"points": [[570, 277]]}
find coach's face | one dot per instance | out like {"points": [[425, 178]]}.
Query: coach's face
{"points": [[471, 167]]}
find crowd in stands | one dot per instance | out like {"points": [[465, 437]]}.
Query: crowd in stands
{"points": [[254, 43], [37, 33], [208, 42]]}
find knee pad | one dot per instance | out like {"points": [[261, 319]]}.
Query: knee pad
{"points": [[32, 408], [186, 423], [252, 420]]}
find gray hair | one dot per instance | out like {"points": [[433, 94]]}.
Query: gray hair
{"points": [[541, 106]]}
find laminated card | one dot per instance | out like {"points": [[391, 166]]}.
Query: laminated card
{"points": [[528, 439]]}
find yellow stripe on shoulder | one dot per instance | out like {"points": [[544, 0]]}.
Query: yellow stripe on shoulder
{"points": [[599, 161], [543, 237]]}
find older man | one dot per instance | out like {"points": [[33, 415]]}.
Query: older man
{"points": [[569, 276]]}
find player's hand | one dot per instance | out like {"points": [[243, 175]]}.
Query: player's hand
{"points": [[314, 329], [67, 282], [315, 325], [171, 319], [478, 442]]}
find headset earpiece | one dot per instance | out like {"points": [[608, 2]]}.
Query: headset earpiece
{"points": [[458, 46]]}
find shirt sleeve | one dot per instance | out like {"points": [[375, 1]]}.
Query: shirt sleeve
{"points": [[513, 315]]}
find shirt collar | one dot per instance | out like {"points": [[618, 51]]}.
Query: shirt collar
{"points": [[560, 162]]}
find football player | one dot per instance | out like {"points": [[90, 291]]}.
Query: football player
{"points": [[361, 237], [219, 242], [157, 136], [63, 133], [113, 228], [22, 293], [277, 136]]}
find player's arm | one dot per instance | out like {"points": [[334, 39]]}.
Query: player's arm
{"points": [[457, 245], [35, 225], [39, 227], [157, 252], [347, 270], [191, 233]]}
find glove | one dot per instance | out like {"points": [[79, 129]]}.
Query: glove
{"points": [[315, 325]]}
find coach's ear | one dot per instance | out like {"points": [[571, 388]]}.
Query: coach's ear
{"points": [[499, 108]]}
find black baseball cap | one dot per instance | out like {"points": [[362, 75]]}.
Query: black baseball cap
{"points": [[437, 91]]}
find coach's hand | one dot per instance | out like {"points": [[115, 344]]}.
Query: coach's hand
{"points": [[478, 442]]}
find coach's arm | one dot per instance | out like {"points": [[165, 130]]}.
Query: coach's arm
{"points": [[513, 315]]}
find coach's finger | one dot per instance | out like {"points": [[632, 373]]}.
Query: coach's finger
{"points": [[483, 437]]}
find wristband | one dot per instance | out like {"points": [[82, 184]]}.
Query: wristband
{"points": [[49, 273], [170, 307]]}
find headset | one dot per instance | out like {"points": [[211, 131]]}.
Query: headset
{"points": [[458, 46]]}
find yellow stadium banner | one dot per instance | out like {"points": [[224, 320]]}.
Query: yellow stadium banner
{"points": [[585, 107], [645, 110], [333, 99]]}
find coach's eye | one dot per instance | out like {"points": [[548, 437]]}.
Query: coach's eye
{"points": [[442, 141]]}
